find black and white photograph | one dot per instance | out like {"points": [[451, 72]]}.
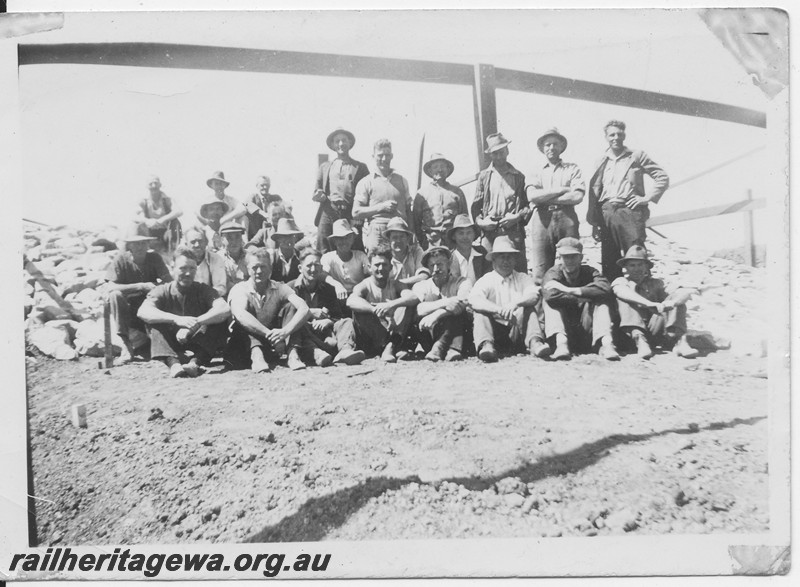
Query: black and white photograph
{"points": [[396, 293]]}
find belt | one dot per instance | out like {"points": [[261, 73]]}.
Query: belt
{"points": [[551, 207]]}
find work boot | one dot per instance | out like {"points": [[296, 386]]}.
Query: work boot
{"points": [[437, 352], [453, 355], [294, 362], [322, 359], [176, 370], [562, 349], [192, 368], [607, 350], [387, 356], [348, 357], [486, 353], [258, 364], [643, 350], [539, 348], [683, 349]]}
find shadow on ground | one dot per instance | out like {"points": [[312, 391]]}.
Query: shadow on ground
{"points": [[319, 515]]}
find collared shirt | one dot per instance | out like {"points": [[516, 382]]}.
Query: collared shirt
{"points": [[655, 290], [195, 301], [439, 205], [124, 271], [591, 282], [264, 307], [284, 269], [348, 273], [502, 290], [559, 175], [461, 266], [501, 197], [369, 290], [323, 295], [428, 291], [616, 188], [409, 265], [236, 269], [375, 189], [211, 271], [341, 176]]}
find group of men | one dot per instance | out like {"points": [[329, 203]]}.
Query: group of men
{"points": [[397, 276]]}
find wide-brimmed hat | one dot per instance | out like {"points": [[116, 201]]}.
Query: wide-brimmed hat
{"points": [[551, 132], [397, 224], [287, 227], [569, 246], [502, 244], [495, 142], [433, 159], [635, 252], [217, 176], [462, 221], [435, 250], [135, 233], [340, 229], [351, 136], [231, 227], [213, 201]]}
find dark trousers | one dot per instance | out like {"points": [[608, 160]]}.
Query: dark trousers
{"points": [[660, 329], [622, 228], [325, 229], [547, 228], [204, 344], [332, 337], [241, 342], [123, 312], [448, 331], [373, 334]]}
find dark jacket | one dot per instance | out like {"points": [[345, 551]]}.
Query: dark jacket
{"points": [[323, 183], [594, 287]]}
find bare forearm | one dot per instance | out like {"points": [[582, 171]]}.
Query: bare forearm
{"points": [[152, 315]]}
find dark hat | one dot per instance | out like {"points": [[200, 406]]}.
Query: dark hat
{"points": [[397, 224], [461, 221], [287, 227], [230, 227], [433, 159], [551, 132], [341, 228], [212, 201], [351, 136], [435, 251], [217, 176], [502, 244], [495, 142], [569, 246], [635, 252]]}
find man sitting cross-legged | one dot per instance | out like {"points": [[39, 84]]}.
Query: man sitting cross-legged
{"points": [[382, 308], [185, 316], [442, 308], [504, 303], [262, 320], [651, 313], [327, 330], [576, 304]]}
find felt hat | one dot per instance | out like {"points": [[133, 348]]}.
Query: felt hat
{"points": [[340, 228], [230, 227], [153, 179], [217, 176], [134, 233], [635, 252], [461, 221], [569, 246], [397, 224], [502, 244], [551, 132], [287, 227], [495, 142], [433, 159], [351, 136], [212, 201], [436, 250]]}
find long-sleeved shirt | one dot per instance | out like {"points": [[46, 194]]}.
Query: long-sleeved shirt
{"points": [[212, 271], [594, 287]]}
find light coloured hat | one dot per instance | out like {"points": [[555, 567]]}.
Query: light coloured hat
{"points": [[495, 142], [436, 250], [635, 252], [569, 246], [551, 132], [212, 201], [462, 221], [397, 224], [153, 179], [287, 227], [231, 227], [341, 228], [133, 233], [351, 136], [433, 159], [502, 244], [217, 176]]}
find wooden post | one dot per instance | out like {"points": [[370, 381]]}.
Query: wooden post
{"points": [[749, 246], [109, 350], [485, 108]]}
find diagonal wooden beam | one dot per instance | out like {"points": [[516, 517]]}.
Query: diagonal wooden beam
{"points": [[741, 206]]}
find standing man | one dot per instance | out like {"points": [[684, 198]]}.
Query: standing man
{"points": [[437, 204], [381, 196], [554, 193], [618, 204], [184, 315], [500, 207], [257, 206], [336, 185]]}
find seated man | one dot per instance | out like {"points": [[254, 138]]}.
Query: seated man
{"points": [[503, 302], [234, 254], [650, 312], [212, 212], [345, 267], [285, 262], [327, 331], [382, 308], [133, 274], [275, 211], [407, 264], [576, 304], [262, 321], [468, 260], [210, 265], [442, 308], [185, 316]]}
